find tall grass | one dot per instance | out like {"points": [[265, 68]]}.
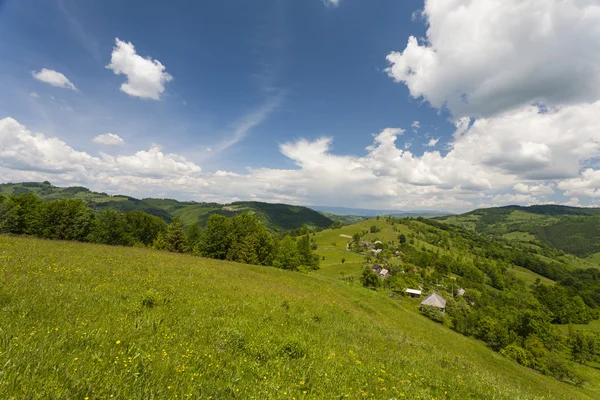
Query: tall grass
{"points": [[80, 321]]}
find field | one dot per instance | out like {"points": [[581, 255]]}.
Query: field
{"points": [[82, 321]]}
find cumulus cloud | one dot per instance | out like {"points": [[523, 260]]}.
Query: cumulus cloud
{"points": [[416, 124], [385, 176], [23, 150], [482, 58], [587, 184], [432, 142], [34, 95], [109, 139], [146, 77], [53, 78]]}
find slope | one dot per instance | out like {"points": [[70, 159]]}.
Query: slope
{"points": [[572, 230], [93, 321]]}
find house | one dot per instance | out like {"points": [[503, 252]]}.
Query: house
{"points": [[413, 293], [461, 292], [376, 268], [383, 273], [376, 251], [377, 242], [434, 300], [365, 244]]}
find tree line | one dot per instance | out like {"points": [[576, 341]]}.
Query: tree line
{"points": [[242, 238]]}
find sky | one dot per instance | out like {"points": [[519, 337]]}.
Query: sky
{"points": [[411, 105]]}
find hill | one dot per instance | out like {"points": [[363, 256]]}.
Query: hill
{"points": [[364, 212], [277, 217], [572, 230], [92, 321]]}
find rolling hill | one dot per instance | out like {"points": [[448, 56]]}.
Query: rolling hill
{"points": [[277, 217], [92, 321], [572, 230]]}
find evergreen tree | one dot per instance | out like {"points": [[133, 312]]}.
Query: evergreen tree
{"points": [[174, 237], [265, 246], [247, 251], [306, 256]]}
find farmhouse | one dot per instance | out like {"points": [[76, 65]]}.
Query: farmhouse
{"points": [[434, 300], [383, 273], [413, 293], [461, 292], [376, 268]]}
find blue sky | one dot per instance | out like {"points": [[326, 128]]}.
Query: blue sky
{"points": [[307, 102]]}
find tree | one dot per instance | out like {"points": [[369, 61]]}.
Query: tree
{"points": [[174, 237], [247, 251], [584, 346], [374, 229], [356, 237], [110, 227], [193, 235], [20, 214], [217, 239], [144, 228], [66, 219], [401, 238], [265, 246], [306, 256], [369, 279], [287, 254], [343, 260]]}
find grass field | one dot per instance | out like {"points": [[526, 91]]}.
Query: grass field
{"points": [[82, 321], [530, 277]]}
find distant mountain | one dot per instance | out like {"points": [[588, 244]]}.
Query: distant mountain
{"points": [[574, 230], [277, 217], [364, 212]]}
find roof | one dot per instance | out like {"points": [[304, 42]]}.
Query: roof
{"points": [[383, 272], [413, 291], [378, 241], [376, 251], [434, 300], [461, 292]]}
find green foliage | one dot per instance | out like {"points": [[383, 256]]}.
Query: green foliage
{"points": [[217, 238], [173, 239], [585, 346], [370, 279], [287, 256], [110, 227]]}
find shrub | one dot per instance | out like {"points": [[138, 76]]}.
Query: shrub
{"points": [[293, 349]]}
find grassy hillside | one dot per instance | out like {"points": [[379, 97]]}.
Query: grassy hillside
{"points": [[569, 229], [87, 321], [277, 217]]}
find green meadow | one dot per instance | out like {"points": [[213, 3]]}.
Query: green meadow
{"points": [[82, 321]]}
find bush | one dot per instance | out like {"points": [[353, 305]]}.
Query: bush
{"points": [[518, 354], [293, 349], [434, 314]]}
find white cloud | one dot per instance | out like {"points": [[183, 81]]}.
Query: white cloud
{"points": [[541, 189], [432, 142], [34, 95], [145, 77], [53, 78], [23, 150], [109, 139], [416, 124], [386, 176], [331, 3], [482, 58], [586, 184]]}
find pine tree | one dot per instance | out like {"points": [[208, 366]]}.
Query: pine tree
{"points": [[247, 251], [175, 237]]}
